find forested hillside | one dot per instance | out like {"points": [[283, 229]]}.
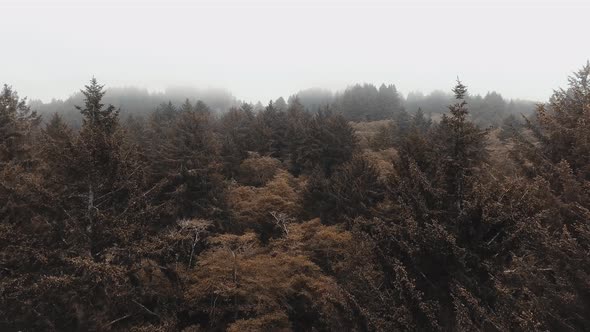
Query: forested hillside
{"points": [[359, 211]]}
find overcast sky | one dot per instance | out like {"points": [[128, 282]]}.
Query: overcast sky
{"points": [[265, 49]]}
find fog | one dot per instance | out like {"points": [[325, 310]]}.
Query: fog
{"points": [[260, 50]]}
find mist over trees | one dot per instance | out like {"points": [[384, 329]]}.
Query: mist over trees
{"points": [[360, 102], [138, 102], [358, 211], [367, 102]]}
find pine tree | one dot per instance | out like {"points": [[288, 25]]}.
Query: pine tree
{"points": [[271, 128], [17, 123], [511, 127], [420, 122], [562, 127], [96, 117], [82, 207], [186, 106], [280, 104], [236, 129], [165, 113], [403, 123], [57, 150], [461, 146], [353, 190], [329, 142], [388, 102], [298, 121], [18, 180], [186, 162], [105, 172], [201, 107]]}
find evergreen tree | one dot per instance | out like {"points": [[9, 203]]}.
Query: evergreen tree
{"points": [[186, 163], [353, 190], [57, 150], [280, 104], [461, 148], [17, 123], [298, 121], [271, 128], [510, 127], [237, 137], [201, 107], [420, 122], [562, 128], [186, 106], [389, 102], [403, 123], [165, 113], [17, 179], [96, 117], [105, 172], [329, 142]]}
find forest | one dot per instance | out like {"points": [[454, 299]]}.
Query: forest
{"points": [[364, 210]]}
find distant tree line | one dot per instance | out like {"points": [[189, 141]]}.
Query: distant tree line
{"points": [[363, 102], [369, 103], [137, 102]]}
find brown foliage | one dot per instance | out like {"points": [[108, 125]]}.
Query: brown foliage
{"points": [[190, 222], [253, 208], [257, 171]]}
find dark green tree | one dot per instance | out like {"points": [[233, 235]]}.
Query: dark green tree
{"points": [[201, 107], [271, 128], [187, 106], [461, 148], [330, 141], [298, 121], [353, 190], [187, 164], [17, 123], [236, 130]]}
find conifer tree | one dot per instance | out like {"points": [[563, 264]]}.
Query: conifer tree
{"points": [[555, 159], [280, 104], [186, 106], [510, 127], [17, 127], [96, 117], [17, 123], [58, 153], [237, 137], [562, 128], [298, 121], [271, 127], [186, 162], [105, 172], [201, 107], [329, 141], [420, 122], [353, 190], [461, 148]]}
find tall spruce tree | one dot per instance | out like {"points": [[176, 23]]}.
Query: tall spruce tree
{"points": [[17, 123], [17, 126], [185, 160], [105, 171], [461, 146], [237, 137]]}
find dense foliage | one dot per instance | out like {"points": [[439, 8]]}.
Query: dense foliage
{"points": [[276, 218]]}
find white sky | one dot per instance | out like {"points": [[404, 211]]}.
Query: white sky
{"points": [[264, 49]]}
